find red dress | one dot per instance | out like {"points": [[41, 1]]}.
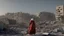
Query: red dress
{"points": [[31, 28]]}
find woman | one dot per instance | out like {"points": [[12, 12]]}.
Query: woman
{"points": [[31, 28]]}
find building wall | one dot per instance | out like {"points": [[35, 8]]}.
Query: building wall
{"points": [[60, 10], [60, 13]]}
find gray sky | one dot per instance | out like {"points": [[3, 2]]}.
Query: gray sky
{"points": [[29, 6]]}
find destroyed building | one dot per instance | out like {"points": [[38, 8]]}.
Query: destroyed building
{"points": [[60, 13]]}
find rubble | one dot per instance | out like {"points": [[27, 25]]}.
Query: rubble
{"points": [[22, 21]]}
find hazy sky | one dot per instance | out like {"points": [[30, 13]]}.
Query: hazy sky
{"points": [[30, 6]]}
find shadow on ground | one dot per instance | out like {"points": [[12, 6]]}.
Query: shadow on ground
{"points": [[8, 31]]}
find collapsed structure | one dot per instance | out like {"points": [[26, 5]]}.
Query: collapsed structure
{"points": [[60, 13]]}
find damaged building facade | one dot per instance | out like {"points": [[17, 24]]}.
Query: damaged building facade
{"points": [[60, 13]]}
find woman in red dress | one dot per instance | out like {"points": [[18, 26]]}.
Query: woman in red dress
{"points": [[31, 28]]}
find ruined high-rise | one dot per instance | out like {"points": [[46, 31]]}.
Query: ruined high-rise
{"points": [[60, 13]]}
